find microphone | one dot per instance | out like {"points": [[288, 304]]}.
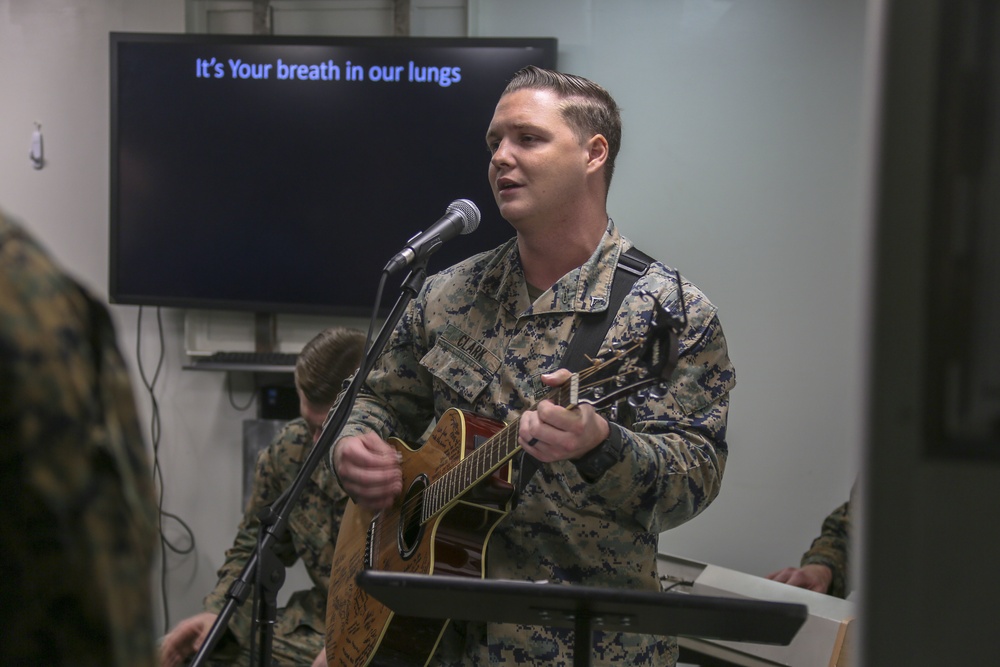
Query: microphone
{"points": [[461, 217]]}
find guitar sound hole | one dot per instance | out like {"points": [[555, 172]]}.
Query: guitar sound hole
{"points": [[411, 529]]}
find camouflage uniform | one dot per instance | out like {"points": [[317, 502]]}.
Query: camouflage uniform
{"points": [[311, 536], [831, 549], [79, 519], [471, 339]]}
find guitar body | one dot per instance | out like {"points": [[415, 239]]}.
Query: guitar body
{"points": [[360, 629]]}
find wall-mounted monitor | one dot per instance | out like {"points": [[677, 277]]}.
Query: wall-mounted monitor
{"points": [[280, 174]]}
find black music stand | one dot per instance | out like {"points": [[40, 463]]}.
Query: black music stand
{"points": [[586, 608]]}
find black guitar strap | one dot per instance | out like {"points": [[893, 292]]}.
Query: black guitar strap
{"points": [[591, 332]]}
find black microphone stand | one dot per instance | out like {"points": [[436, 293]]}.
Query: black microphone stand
{"points": [[264, 572]]}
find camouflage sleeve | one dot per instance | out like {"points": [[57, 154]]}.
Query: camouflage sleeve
{"points": [[79, 531], [398, 369], [831, 548], [674, 450], [310, 534]]}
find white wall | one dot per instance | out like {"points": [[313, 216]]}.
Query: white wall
{"points": [[743, 166]]}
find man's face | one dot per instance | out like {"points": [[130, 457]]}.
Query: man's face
{"points": [[314, 415], [538, 164]]}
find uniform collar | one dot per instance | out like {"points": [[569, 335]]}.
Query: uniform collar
{"points": [[586, 289]]}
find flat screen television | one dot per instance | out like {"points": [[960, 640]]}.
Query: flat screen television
{"points": [[280, 174]]}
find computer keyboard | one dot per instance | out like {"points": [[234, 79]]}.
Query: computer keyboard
{"points": [[249, 360]]}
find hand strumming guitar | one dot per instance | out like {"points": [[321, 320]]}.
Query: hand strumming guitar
{"points": [[368, 469]]}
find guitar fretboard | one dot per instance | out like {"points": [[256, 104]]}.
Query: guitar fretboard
{"points": [[485, 459]]}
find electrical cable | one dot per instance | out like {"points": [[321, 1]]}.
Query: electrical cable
{"points": [[155, 432], [229, 391]]}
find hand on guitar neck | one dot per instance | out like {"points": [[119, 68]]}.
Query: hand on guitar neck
{"points": [[551, 432]]}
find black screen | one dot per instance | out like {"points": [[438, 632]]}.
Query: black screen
{"points": [[280, 174]]}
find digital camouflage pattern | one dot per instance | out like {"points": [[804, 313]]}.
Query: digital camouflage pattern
{"points": [[79, 528], [473, 340], [832, 548], [312, 534]]}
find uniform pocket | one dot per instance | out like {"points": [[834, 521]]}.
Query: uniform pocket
{"points": [[462, 363]]}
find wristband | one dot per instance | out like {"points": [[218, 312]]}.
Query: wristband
{"points": [[600, 459]]}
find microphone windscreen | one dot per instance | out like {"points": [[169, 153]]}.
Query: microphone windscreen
{"points": [[469, 212]]}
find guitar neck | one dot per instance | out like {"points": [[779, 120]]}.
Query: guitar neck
{"points": [[487, 458]]}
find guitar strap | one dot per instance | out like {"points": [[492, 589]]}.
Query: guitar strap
{"points": [[590, 333]]}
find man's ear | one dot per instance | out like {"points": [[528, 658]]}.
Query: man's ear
{"points": [[597, 152]]}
